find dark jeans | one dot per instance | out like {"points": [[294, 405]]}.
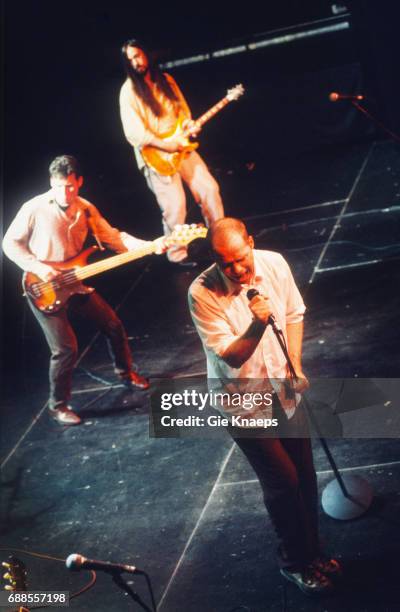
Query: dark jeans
{"points": [[285, 469], [63, 344]]}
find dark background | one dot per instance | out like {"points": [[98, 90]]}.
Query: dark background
{"points": [[63, 73], [299, 169]]}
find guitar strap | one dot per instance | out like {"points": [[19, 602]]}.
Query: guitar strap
{"points": [[93, 228]]}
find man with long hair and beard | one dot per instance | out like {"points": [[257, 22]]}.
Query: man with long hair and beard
{"points": [[150, 104]]}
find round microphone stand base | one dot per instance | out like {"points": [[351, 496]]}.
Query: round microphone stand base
{"points": [[346, 497], [354, 503]]}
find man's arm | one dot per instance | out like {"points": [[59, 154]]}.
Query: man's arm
{"points": [[216, 332], [15, 246], [136, 132], [112, 237], [171, 146], [295, 309], [243, 347], [210, 320], [294, 333]]}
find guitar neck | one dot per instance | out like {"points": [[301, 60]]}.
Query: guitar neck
{"points": [[212, 111], [113, 262]]}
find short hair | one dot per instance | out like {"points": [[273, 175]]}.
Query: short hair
{"points": [[224, 228], [64, 165]]}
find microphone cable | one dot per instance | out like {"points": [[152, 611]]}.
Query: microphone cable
{"points": [[89, 585]]}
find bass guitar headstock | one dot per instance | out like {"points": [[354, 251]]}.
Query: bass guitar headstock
{"points": [[235, 92], [183, 234]]}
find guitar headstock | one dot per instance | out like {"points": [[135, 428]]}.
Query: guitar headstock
{"points": [[183, 234], [15, 574], [235, 92]]}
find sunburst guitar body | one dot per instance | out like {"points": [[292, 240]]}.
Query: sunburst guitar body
{"points": [[165, 163], [50, 296], [168, 164]]}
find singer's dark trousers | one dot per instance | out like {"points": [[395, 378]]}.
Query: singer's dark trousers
{"points": [[285, 469], [63, 344]]}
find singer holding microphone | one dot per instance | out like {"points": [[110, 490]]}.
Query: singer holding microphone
{"points": [[232, 304]]}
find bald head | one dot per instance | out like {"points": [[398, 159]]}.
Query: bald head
{"points": [[233, 249], [226, 231]]}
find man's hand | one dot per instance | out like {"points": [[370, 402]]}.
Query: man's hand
{"points": [[302, 383], [175, 145], [260, 307], [161, 247], [191, 128], [45, 272]]}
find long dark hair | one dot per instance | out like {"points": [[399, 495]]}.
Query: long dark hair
{"points": [[139, 84]]}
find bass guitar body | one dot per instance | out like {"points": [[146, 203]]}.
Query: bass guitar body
{"points": [[165, 163], [50, 296]]}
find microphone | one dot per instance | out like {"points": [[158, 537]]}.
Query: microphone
{"points": [[334, 97], [76, 562], [251, 293]]}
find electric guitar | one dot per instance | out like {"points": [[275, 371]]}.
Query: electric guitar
{"points": [[50, 296], [15, 576], [168, 163]]}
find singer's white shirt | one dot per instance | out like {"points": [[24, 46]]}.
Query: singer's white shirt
{"points": [[221, 314]]}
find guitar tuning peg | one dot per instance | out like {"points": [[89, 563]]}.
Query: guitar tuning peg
{"points": [[7, 576], [8, 587], [5, 564]]}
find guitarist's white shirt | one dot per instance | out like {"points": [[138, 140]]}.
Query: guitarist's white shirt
{"points": [[42, 231]]}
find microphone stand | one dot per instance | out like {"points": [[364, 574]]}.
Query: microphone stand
{"points": [[383, 127], [119, 581], [345, 497]]}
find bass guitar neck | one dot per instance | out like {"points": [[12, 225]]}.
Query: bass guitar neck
{"points": [[51, 296]]}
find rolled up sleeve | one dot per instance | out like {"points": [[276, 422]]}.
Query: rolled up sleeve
{"points": [[16, 240], [212, 326]]}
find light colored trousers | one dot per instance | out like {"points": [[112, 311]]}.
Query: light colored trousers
{"points": [[171, 196]]}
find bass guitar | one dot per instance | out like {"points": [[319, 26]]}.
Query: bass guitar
{"points": [[50, 296], [168, 164]]}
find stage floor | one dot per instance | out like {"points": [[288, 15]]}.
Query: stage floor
{"points": [[189, 511]]}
